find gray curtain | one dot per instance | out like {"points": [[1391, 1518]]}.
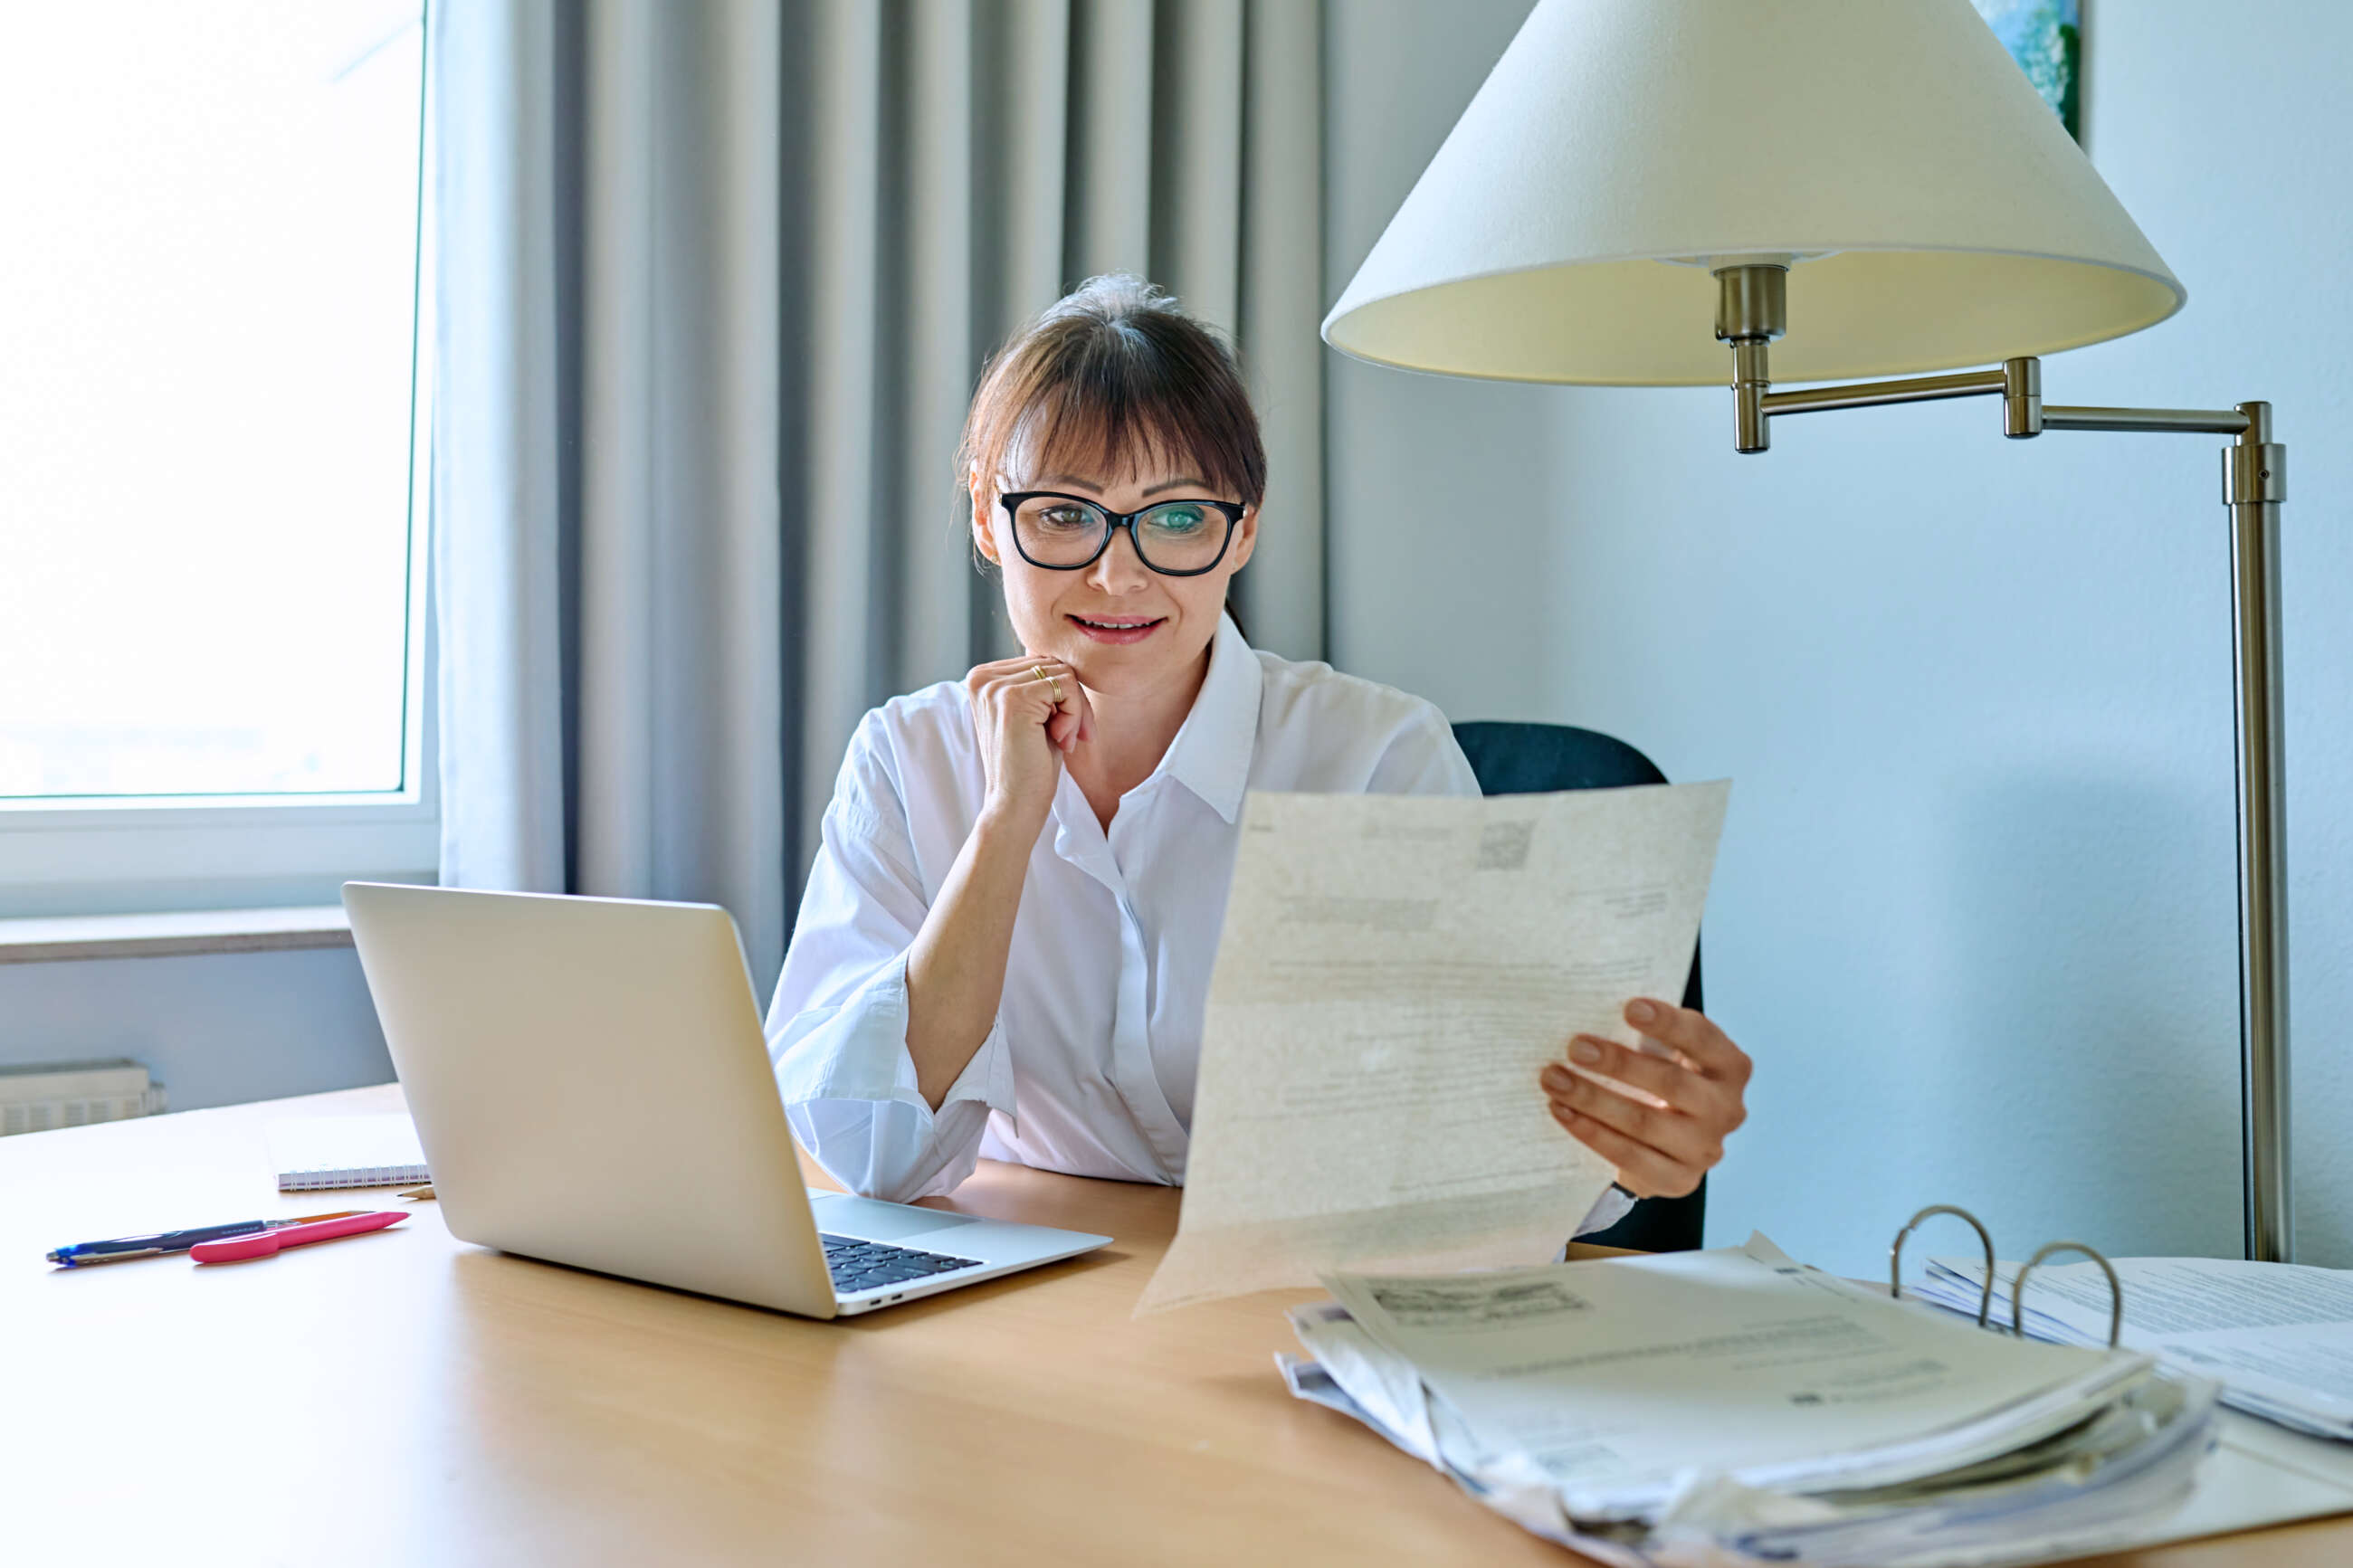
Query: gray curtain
{"points": [[714, 282]]}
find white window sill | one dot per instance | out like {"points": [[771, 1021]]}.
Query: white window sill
{"points": [[66, 938]]}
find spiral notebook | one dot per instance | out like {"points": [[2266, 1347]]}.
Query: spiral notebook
{"points": [[315, 1151]]}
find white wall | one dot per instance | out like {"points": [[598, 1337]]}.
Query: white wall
{"points": [[216, 1028], [1974, 915], [1438, 491]]}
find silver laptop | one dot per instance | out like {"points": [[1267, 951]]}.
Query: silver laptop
{"points": [[591, 1086]]}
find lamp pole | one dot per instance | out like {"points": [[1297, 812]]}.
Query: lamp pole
{"points": [[1752, 310]]}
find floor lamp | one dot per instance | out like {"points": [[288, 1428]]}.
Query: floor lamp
{"points": [[1842, 188]]}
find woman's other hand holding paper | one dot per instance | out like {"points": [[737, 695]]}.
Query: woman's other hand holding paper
{"points": [[1690, 1080]]}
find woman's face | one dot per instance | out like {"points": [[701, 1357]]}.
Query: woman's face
{"points": [[1121, 624]]}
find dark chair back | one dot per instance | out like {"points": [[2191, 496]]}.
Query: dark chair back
{"points": [[1532, 759]]}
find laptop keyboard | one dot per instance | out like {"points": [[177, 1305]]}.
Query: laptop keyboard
{"points": [[857, 1265]]}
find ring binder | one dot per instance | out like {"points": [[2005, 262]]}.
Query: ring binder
{"points": [[2115, 1289], [1895, 1254], [2017, 1286]]}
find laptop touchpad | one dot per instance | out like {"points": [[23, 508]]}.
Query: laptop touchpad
{"points": [[872, 1221]]}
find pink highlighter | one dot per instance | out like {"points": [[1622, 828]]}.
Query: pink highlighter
{"points": [[267, 1243]]}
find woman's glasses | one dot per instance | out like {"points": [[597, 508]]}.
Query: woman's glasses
{"points": [[1175, 538]]}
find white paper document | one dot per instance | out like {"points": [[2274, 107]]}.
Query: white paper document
{"points": [[1393, 974], [2277, 1336]]}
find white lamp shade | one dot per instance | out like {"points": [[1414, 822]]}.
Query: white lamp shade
{"points": [[1951, 220]]}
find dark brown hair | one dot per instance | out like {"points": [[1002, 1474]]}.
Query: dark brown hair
{"points": [[1113, 378]]}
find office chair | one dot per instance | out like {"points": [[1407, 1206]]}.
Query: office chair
{"points": [[1530, 758]]}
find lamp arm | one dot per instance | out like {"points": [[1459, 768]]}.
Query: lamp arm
{"points": [[1752, 310], [2179, 421], [1871, 394]]}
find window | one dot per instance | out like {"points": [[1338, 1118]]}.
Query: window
{"points": [[212, 496]]}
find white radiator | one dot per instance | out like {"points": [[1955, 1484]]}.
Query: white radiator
{"points": [[73, 1094]]}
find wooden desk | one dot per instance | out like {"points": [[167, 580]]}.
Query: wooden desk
{"points": [[403, 1398]]}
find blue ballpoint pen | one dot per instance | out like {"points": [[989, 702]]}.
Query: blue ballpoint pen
{"points": [[123, 1248]]}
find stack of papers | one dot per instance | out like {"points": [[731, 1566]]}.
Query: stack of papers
{"points": [[2278, 1336], [1714, 1407]]}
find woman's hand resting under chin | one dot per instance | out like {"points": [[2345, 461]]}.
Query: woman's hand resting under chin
{"points": [[1028, 714], [1696, 1077]]}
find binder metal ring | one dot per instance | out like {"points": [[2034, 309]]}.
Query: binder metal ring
{"points": [[2018, 1288], [1985, 1305]]}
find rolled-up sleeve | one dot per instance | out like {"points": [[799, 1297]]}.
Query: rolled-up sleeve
{"points": [[837, 1028]]}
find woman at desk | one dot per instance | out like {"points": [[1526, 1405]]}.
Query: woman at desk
{"points": [[1005, 941]]}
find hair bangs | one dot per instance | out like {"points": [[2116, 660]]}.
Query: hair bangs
{"points": [[1103, 430]]}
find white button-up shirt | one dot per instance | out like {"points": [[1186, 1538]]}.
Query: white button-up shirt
{"points": [[1089, 1065]]}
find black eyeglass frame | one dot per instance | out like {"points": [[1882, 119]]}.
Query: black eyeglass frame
{"points": [[1113, 522]]}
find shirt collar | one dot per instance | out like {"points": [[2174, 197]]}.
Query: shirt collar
{"points": [[1211, 754]]}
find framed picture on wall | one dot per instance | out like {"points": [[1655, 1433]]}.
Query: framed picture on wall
{"points": [[2046, 38]]}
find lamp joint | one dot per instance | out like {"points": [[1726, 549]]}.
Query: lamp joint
{"points": [[1752, 303], [2021, 398], [2255, 467], [1751, 379], [1752, 308], [2254, 472]]}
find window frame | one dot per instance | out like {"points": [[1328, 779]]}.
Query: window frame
{"points": [[149, 854]]}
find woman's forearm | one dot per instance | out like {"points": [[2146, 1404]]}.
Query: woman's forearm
{"points": [[956, 968]]}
